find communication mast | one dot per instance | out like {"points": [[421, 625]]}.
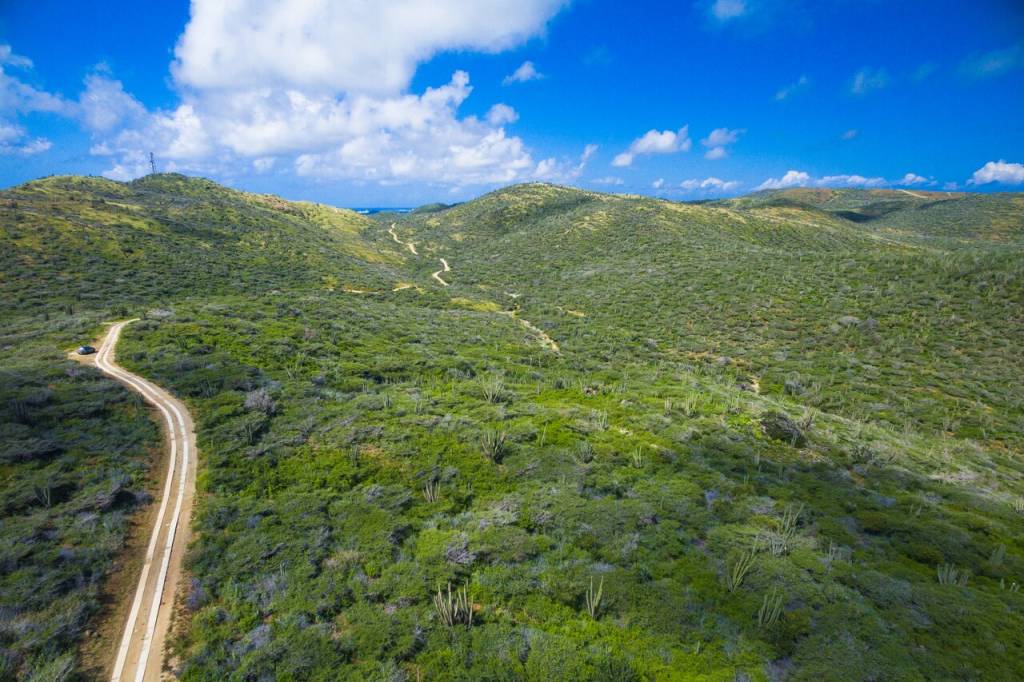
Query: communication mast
{"points": [[152, 164]]}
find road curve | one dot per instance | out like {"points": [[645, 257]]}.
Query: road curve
{"points": [[408, 245], [437, 275], [140, 653]]}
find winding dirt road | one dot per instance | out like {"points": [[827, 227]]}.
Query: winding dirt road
{"points": [[140, 654], [437, 275], [409, 245]]}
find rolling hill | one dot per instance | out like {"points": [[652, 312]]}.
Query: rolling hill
{"points": [[775, 437]]}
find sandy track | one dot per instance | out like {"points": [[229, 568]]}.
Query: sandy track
{"points": [[140, 652], [541, 335], [409, 245], [437, 275]]}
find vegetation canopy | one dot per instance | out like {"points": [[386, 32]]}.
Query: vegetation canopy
{"points": [[772, 437]]}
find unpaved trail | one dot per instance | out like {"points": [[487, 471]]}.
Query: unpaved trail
{"points": [[437, 275], [913, 194], [545, 340], [140, 655], [409, 245]]}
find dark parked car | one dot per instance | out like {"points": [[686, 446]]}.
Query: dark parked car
{"points": [[85, 350]]}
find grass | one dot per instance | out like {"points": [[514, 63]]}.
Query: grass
{"points": [[621, 508]]}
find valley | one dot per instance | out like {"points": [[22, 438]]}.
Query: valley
{"points": [[777, 436]]}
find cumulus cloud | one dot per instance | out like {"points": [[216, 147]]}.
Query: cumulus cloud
{"points": [[850, 181], [501, 114], [850, 134], [412, 138], [998, 171], [717, 141], [995, 63], [343, 45], [655, 142], [911, 179], [555, 170], [794, 178], [14, 140], [526, 72], [724, 10], [104, 104], [337, 106], [658, 184], [785, 92], [709, 184], [866, 80]]}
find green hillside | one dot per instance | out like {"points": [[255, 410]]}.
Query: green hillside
{"points": [[91, 241], [916, 215], [756, 439]]}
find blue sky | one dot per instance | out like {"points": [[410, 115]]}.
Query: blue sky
{"points": [[400, 103]]}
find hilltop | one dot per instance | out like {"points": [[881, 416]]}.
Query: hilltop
{"points": [[85, 242], [775, 436], [920, 214]]}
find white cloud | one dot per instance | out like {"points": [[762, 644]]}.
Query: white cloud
{"points": [[850, 134], [410, 138], [335, 107], [553, 170], [998, 171], [658, 184], [712, 184], [850, 181], [717, 140], [792, 178], [104, 104], [723, 10], [131, 165], [994, 63], [866, 80], [911, 179], [18, 97], [342, 45], [13, 141], [501, 114], [526, 72], [10, 132], [622, 160], [609, 180], [655, 142], [785, 92], [795, 178], [8, 57], [721, 136]]}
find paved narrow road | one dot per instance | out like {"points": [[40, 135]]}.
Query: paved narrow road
{"points": [[140, 653]]}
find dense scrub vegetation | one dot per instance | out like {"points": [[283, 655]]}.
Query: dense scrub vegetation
{"points": [[774, 442], [75, 450]]}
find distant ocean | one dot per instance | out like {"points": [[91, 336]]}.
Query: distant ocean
{"points": [[370, 211]]}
